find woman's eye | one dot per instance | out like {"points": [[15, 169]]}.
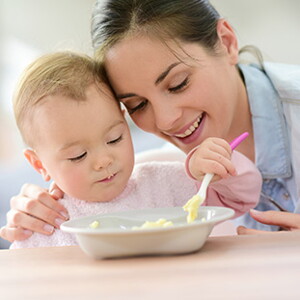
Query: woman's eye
{"points": [[140, 106], [115, 141], [180, 86], [79, 157]]}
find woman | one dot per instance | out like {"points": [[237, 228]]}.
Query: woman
{"points": [[174, 65]]}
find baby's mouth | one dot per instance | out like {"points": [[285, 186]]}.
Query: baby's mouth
{"points": [[108, 178], [191, 129]]}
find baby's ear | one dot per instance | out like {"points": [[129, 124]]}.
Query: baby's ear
{"points": [[37, 164]]}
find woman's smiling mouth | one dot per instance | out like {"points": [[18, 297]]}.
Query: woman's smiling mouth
{"points": [[191, 129], [191, 133]]}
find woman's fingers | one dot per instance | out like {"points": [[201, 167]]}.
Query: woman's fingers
{"points": [[25, 211], [34, 210], [241, 230], [287, 220], [36, 193], [20, 226], [14, 234], [35, 200], [55, 191], [16, 218]]}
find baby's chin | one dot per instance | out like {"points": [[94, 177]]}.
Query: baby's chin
{"points": [[100, 191], [104, 197]]}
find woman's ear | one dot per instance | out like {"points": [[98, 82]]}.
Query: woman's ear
{"points": [[228, 40], [36, 163]]}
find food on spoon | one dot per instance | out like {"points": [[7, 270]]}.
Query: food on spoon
{"points": [[192, 207], [94, 225], [156, 224]]}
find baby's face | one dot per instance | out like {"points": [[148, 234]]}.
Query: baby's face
{"points": [[85, 146]]}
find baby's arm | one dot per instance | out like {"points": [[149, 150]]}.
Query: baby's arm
{"points": [[240, 192], [58, 238]]}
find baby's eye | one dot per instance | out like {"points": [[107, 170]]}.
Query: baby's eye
{"points": [[115, 141], [180, 86], [140, 106], [78, 158]]}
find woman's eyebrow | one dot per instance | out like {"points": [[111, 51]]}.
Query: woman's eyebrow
{"points": [[163, 75], [123, 96], [159, 79]]}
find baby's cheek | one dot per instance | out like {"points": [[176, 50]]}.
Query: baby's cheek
{"points": [[75, 184]]}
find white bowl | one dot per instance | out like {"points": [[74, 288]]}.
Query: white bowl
{"points": [[115, 237]]}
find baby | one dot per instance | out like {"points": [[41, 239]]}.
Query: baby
{"points": [[79, 138]]}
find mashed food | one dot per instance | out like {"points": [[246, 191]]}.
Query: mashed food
{"points": [[192, 207], [156, 224], [94, 224]]}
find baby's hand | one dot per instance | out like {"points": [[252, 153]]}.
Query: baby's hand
{"points": [[212, 156]]}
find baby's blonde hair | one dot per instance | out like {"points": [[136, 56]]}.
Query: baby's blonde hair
{"points": [[62, 73]]}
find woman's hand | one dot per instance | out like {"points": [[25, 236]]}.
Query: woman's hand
{"points": [[286, 220], [212, 156], [35, 209]]}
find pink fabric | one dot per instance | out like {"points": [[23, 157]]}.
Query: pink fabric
{"points": [[160, 184], [187, 169]]}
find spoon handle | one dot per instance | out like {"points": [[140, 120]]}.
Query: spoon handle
{"points": [[238, 140]]}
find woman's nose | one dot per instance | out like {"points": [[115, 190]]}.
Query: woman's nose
{"points": [[166, 116]]}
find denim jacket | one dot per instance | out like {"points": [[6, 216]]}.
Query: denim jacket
{"points": [[274, 99]]}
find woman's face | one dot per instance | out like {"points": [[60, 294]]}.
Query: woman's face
{"points": [[183, 96]]}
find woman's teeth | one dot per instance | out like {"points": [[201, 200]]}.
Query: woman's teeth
{"points": [[190, 130]]}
